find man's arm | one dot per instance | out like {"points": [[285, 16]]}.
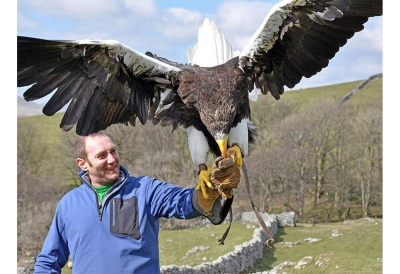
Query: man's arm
{"points": [[55, 252]]}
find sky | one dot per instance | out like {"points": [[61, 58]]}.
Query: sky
{"points": [[168, 28]]}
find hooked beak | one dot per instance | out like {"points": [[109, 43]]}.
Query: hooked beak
{"points": [[223, 145]]}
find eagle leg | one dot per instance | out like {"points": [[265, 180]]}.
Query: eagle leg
{"points": [[236, 154], [233, 152], [204, 182]]}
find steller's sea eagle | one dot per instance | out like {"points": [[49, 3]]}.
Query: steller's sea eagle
{"points": [[105, 82]]}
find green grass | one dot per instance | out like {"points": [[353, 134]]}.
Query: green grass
{"points": [[175, 244], [371, 92], [357, 251], [50, 125]]}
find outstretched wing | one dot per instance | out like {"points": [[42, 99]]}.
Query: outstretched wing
{"points": [[299, 37], [104, 81]]}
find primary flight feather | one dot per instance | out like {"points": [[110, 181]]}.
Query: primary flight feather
{"points": [[105, 82]]}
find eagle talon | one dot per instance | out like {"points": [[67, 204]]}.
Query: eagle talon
{"points": [[236, 154], [204, 182]]}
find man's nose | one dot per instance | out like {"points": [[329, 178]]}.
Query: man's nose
{"points": [[110, 158]]}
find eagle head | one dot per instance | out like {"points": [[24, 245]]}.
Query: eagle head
{"points": [[218, 114]]}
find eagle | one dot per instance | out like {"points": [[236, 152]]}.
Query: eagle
{"points": [[105, 82]]}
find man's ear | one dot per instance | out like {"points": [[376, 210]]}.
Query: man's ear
{"points": [[81, 163]]}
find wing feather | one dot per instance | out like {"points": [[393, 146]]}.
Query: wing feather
{"points": [[46, 86], [104, 82], [298, 38], [65, 92], [86, 122], [77, 106]]}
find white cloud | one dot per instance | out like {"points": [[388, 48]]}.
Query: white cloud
{"points": [[80, 9], [181, 23], [185, 16], [142, 8], [239, 20], [372, 35]]}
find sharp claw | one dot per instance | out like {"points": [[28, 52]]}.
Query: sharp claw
{"points": [[236, 154], [204, 191], [204, 175], [203, 183]]}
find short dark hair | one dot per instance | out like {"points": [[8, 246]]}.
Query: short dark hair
{"points": [[80, 144]]}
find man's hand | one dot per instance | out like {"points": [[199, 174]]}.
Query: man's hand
{"points": [[214, 193], [225, 175]]}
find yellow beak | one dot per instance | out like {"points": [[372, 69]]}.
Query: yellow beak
{"points": [[223, 145]]}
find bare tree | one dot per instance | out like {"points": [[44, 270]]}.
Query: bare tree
{"points": [[165, 155], [341, 159], [31, 151], [293, 133], [268, 112], [321, 115], [36, 202], [64, 159], [369, 155], [267, 170]]}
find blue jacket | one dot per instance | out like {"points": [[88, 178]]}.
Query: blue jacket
{"points": [[119, 235]]}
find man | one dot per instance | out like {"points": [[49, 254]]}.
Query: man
{"points": [[110, 224]]}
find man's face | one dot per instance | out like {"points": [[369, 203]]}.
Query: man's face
{"points": [[102, 161]]}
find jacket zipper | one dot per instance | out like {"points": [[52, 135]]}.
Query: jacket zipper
{"points": [[100, 206], [109, 192], [113, 209]]}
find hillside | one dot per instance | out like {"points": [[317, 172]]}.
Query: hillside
{"points": [[372, 92], [25, 108]]}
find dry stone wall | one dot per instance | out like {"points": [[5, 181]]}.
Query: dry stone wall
{"points": [[244, 255]]}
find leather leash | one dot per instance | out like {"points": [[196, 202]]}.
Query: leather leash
{"points": [[259, 218], [222, 239]]}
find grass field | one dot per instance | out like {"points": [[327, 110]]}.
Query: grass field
{"points": [[357, 249], [198, 245]]}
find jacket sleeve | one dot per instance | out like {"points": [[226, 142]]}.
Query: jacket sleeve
{"points": [[55, 252], [168, 201]]}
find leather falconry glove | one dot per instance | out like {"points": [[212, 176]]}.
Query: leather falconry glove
{"points": [[224, 176]]}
